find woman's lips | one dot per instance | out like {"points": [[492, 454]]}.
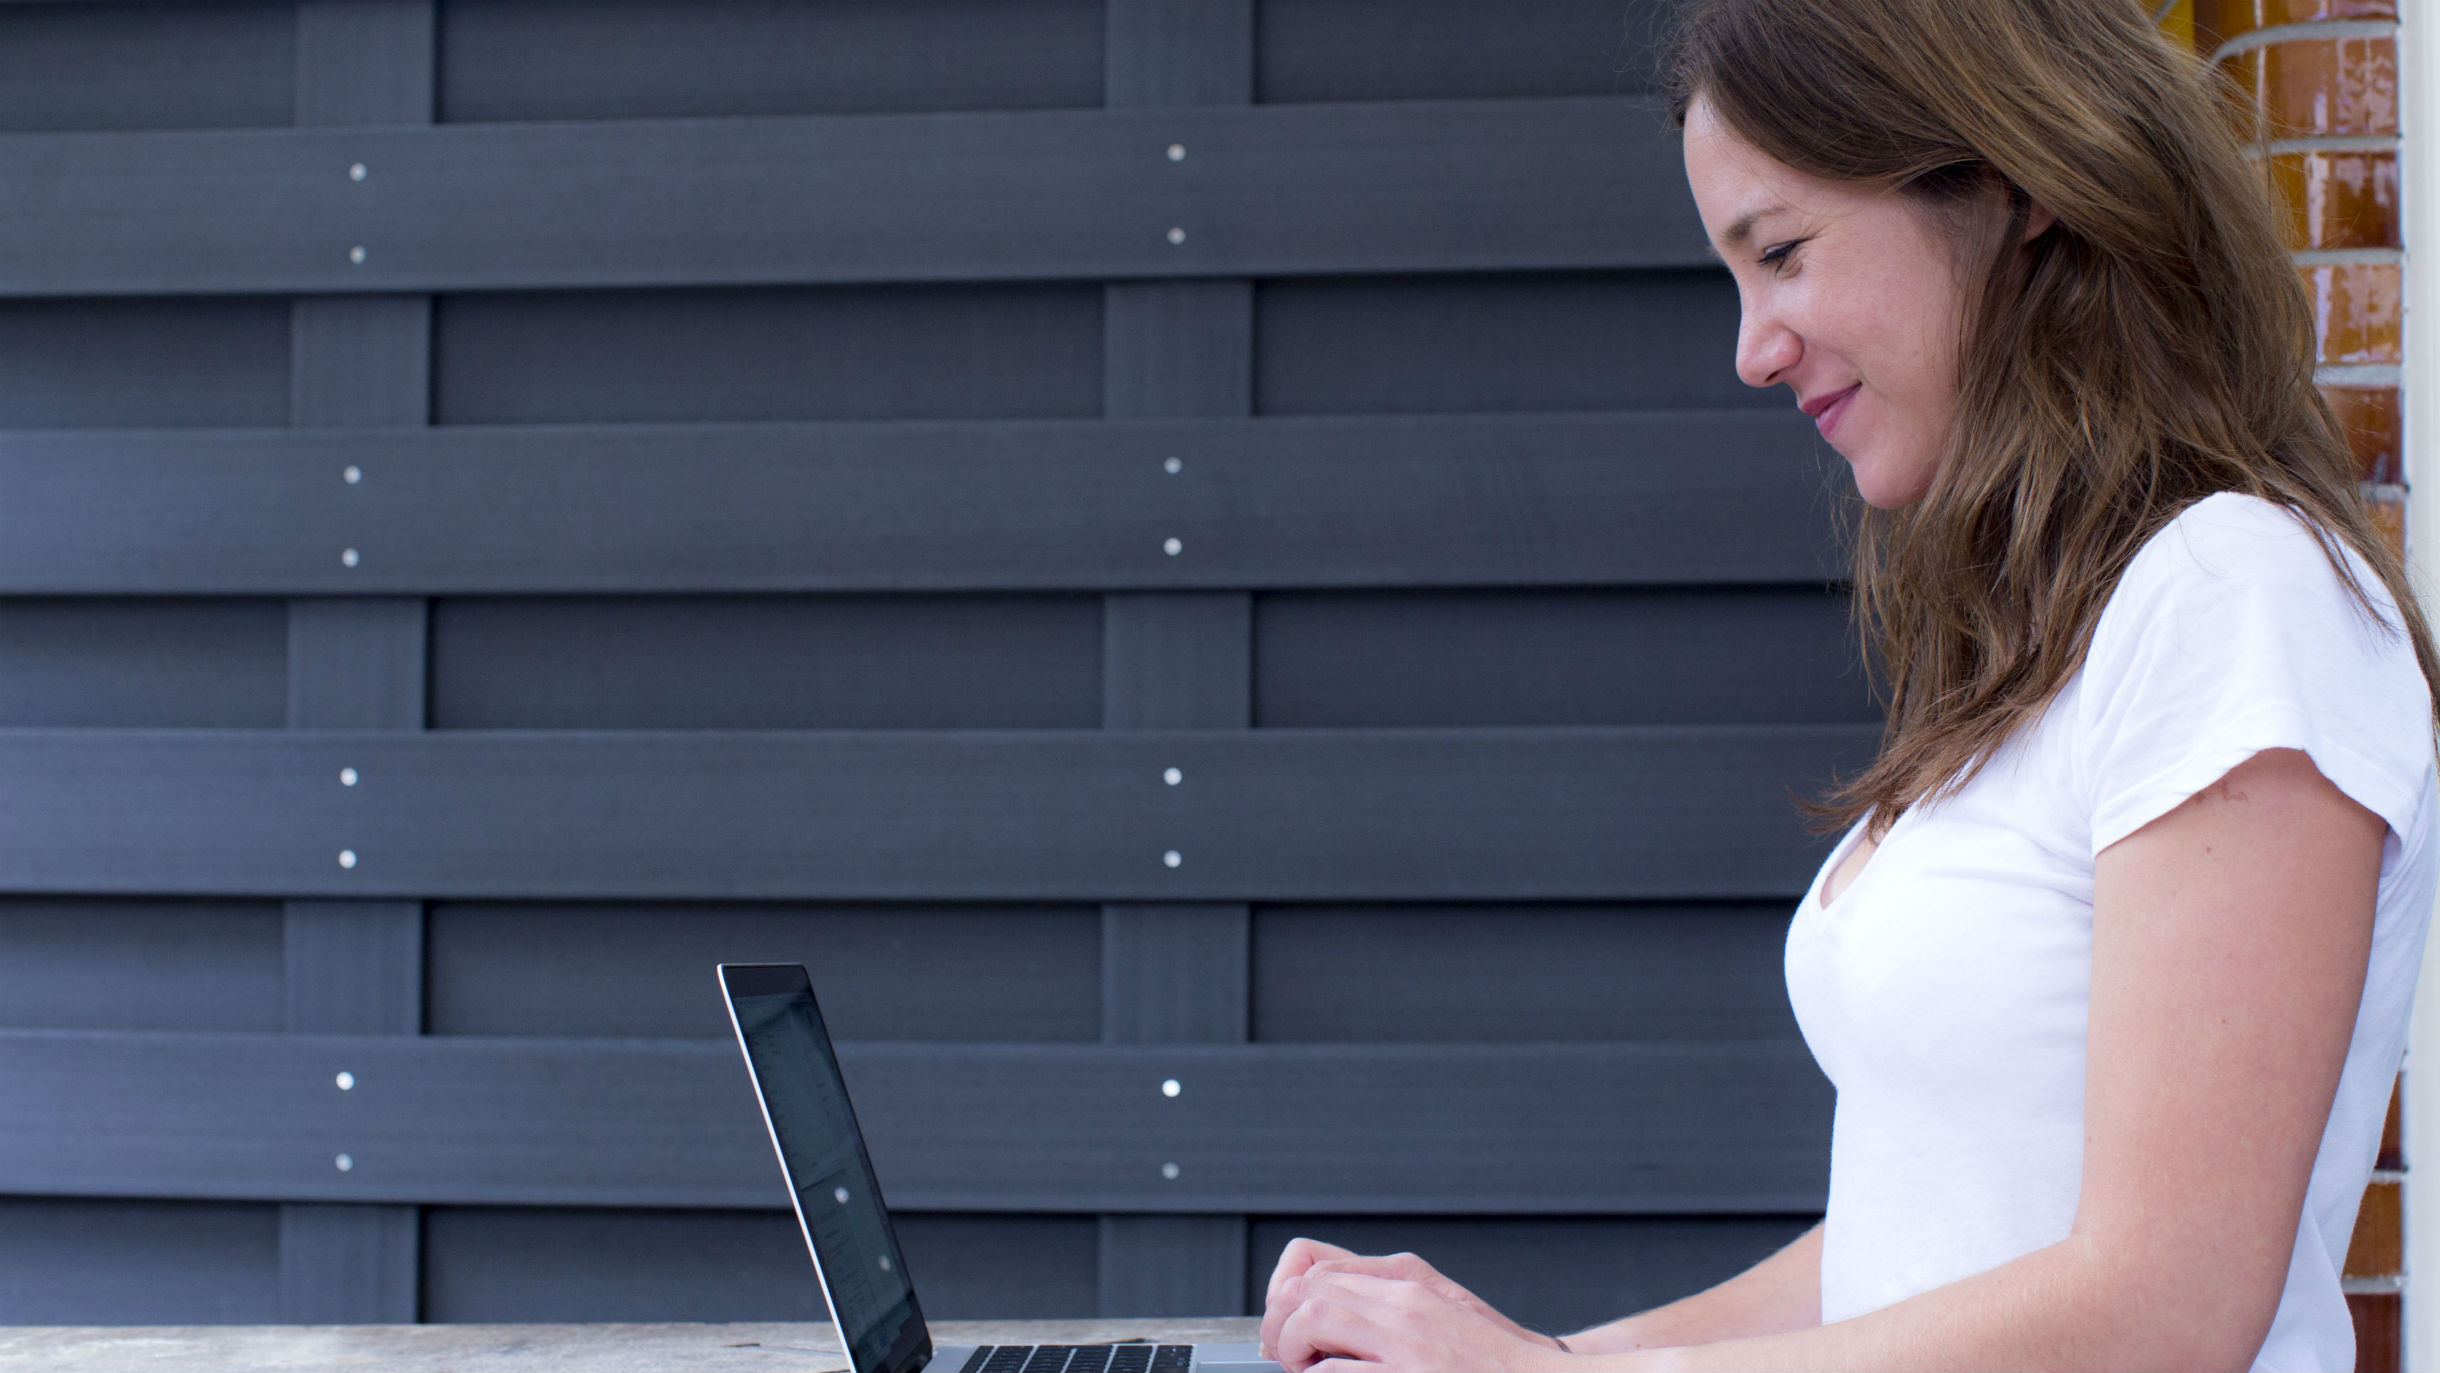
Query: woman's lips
{"points": [[1826, 418]]}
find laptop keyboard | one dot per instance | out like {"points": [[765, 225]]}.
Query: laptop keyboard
{"points": [[1081, 1358]]}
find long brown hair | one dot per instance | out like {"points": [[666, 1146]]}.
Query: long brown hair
{"points": [[2152, 347]]}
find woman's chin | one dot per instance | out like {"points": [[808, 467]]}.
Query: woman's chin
{"points": [[1888, 486], [1876, 493]]}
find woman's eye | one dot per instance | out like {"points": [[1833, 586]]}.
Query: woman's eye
{"points": [[1774, 256]]}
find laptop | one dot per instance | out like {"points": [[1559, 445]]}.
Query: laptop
{"points": [[847, 1229]]}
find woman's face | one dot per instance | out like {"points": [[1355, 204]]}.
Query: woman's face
{"points": [[1850, 297]]}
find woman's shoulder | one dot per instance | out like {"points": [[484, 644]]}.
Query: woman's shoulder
{"points": [[2231, 550], [2238, 592], [2233, 632]]}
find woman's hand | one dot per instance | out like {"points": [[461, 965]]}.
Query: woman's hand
{"points": [[1338, 1310]]}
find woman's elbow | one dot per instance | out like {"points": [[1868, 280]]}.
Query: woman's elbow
{"points": [[2195, 1310]]}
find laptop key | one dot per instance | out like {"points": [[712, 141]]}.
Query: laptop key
{"points": [[1092, 1358], [1049, 1358], [1173, 1358], [1008, 1358], [1130, 1358], [975, 1360]]}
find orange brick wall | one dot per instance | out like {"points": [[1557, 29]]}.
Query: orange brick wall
{"points": [[2324, 74]]}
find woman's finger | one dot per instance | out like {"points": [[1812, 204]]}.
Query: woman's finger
{"points": [[1364, 1292], [1297, 1258], [1322, 1330], [1299, 1255], [1405, 1267], [1360, 1292]]}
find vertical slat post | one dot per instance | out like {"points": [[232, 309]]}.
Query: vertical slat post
{"points": [[357, 967], [1177, 973]]}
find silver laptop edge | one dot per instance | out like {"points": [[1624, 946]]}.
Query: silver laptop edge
{"points": [[796, 1204]]}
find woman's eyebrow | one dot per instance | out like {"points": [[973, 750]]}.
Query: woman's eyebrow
{"points": [[1736, 235]]}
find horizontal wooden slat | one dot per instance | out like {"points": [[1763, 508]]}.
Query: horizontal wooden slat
{"points": [[1720, 1127], [1389, 187], [1062, 815], [1630, 498]]}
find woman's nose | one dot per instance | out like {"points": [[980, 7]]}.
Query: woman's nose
{"points": [[1765, 350]]}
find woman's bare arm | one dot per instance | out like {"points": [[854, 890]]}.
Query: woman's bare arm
{"points": [[1779, 1294], [2229, 944]]}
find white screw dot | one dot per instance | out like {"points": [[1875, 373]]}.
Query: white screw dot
{"points": [[1172, 547], [1172, 858], [1177, 152], [1176, 236], [356, 172], [1169, 1171], [347, 1082], [839, 1195], [347, 777], [1172, 776], [1169, 1087], [347, 858], [345, 1162], [356, 254], [349, 557], [1173, 467], [352, 475]]}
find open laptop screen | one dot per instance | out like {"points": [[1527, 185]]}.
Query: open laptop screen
{"points": [[854, 1249]]}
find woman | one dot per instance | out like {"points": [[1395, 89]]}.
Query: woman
{"points": [[2112, 968]]}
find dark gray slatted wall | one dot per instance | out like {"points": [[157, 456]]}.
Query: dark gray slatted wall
{"points": [[1176, 973], [165, 963], [357, 361], [867, 482]]}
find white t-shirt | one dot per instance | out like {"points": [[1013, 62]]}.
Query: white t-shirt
{"points": [[1945, 991]]}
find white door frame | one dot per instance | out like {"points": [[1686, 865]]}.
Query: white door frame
{"points": [[2419, 178]]}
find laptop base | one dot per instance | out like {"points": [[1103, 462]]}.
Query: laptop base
{"points": [[1239, 1357]]}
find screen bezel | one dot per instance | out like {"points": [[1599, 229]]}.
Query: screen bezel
{"points": [[913, 1348]]}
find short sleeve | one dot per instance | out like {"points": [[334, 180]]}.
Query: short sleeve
{"points": [[2231, 633]]}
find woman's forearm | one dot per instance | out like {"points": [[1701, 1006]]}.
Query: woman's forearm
{"points": [[1781, 1293], [2067, 1306]]}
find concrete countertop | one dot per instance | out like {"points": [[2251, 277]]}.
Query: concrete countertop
{"points": [[738, 1348]]}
